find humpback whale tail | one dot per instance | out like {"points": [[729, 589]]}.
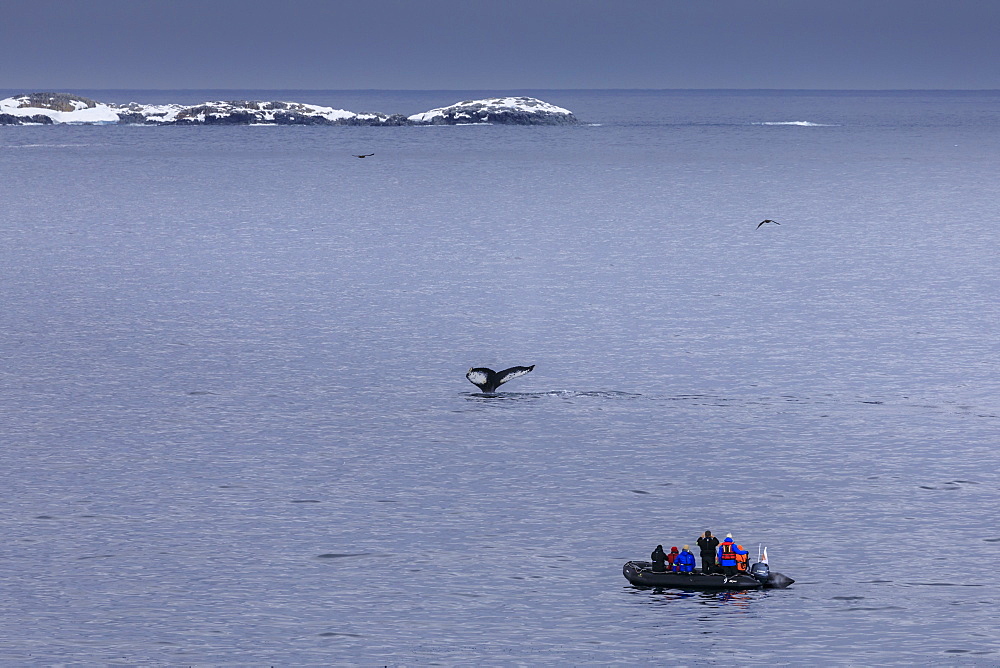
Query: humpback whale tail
{"points": [[489, 380]]}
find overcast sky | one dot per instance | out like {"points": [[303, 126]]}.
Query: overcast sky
{"points": [[499, 44]]}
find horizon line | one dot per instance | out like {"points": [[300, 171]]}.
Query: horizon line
{"points": [[509, 90]]}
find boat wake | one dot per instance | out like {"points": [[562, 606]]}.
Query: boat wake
{"points": [[45, 145], [554, 394], [804, 124]]}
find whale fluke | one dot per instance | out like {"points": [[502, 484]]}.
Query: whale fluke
{"points": [[489, 380]]}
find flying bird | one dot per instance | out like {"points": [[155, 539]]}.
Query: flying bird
{"points": [[364, 155], [489, 380], [767, 220]]}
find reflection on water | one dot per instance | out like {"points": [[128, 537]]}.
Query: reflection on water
{"points": [[737, 599]]}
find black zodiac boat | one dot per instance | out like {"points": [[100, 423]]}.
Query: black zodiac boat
{"points": [[641, 573]]}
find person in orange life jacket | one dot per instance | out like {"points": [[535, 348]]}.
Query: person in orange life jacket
{"points": [[670, 559], [728, 551], [742, 560], [684, 563], [659, 559]]}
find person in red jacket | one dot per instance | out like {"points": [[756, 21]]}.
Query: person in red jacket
{"points": [[670, 559]]}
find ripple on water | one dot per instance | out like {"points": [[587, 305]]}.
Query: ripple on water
{"points": [[341, 555]]}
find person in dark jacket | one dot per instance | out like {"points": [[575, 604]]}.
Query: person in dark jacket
{"points": [[659, 559], [684, 563], [728, 553], [707, 544], [671, 557]]}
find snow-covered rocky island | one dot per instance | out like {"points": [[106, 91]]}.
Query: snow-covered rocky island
{"points": [[54, 108], [499, 110]]}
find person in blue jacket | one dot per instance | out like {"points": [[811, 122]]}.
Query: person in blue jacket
{"points": [[684, 563], [727, 556]]}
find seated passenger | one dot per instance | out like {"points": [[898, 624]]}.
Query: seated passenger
{"points": [[670, 559], [684, 563], [659, 559], [742, 560]]}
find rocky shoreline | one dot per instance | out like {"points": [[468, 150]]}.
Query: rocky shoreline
{"points": [[63, 108]]}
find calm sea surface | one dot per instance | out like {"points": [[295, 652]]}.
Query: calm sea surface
{"points": [[236, 428]]}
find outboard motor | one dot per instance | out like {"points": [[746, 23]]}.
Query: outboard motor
{"points": [[760, 572]]}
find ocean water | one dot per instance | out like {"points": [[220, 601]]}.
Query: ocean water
{"points": [[237, 430]]}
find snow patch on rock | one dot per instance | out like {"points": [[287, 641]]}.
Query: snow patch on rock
{"points": [[58, 108]]}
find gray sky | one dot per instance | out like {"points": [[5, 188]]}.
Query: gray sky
{"points": [[499, 44]]}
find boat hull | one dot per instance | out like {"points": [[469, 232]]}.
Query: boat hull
{"points": [[640, 573]]}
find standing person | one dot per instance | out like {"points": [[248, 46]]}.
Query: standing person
{"points": [[671, 557], [707, 544], [728, 552], [659, 559], [685, 561]]}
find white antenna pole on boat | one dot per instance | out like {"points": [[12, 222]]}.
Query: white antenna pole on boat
{"points": [[758, 551]]}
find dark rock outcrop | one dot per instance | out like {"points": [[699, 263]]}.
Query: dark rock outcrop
{"points": [[10, 119]]}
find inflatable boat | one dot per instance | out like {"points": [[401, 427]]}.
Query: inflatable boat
{"points": [[641, 573]]}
